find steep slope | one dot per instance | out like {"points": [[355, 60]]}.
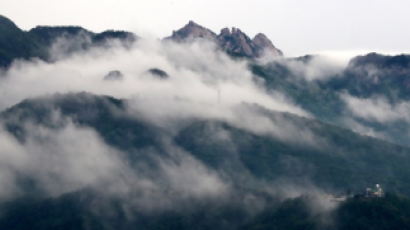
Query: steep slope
{"points": [[335, 159], [376, 83], [321, 101]]}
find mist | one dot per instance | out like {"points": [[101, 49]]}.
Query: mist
{"points": [[65, 158], [202, 83], [317, 67], [377, 109]]}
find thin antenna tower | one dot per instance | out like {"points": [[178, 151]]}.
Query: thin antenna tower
{"points": [[218, 89]]}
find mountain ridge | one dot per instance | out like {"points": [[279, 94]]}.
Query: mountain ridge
{"points": [[16, 43]]}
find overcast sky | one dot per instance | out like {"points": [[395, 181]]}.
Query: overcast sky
{"points": [[296, 26]]}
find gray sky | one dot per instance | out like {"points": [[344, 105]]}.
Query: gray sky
{"points": [[296, 26]]}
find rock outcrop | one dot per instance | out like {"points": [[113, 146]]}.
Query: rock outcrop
{"points": [[233, 41], [192, 31]]}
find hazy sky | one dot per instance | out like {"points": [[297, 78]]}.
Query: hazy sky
{"points": [[296, 26]]}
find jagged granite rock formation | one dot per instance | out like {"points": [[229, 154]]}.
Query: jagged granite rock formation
{"points": [[37, 42], [192, 31], [233, 41], [237, 43], [263, 43]]}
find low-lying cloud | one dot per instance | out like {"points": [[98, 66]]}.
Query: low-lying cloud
{"points": [[313, 67], [377, 109], [74, 158], [59, 161], [203, 83]]}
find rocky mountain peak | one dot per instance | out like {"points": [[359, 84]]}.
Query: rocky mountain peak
{"points": [[232, 40], [192, 31], [265, 45], [232, 32], [225, 31], [236, 42]]}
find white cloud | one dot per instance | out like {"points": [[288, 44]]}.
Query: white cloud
{"points": [[377, 109], [73, 158], [203, 83], [318, 67], [60, 161]]}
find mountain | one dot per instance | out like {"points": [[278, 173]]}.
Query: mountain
{"points": [[237, 43], [192, 31], [78, 160], [350, 161], [376, 81], [390, 212], [48, 35], [234, 41], [376, 60], [346, 159], [314, 96], [36, 43], [15, 43], [376, 74]]}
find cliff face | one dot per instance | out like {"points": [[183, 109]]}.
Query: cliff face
{"points": [[233, 41]]}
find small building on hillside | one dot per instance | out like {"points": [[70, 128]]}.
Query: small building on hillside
{"points": [[377, 191]]}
